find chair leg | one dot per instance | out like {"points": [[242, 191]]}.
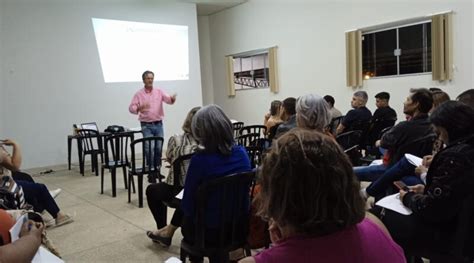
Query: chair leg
{"points": [[96, 165], [102, 180], [81, 165], [124, 170], [133, 185], [140, 190], [247, 250], [92, 162], [182, 255], [130, 180], [114, 179]]}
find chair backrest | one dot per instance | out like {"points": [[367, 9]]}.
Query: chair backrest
{"points": [[237, 126], [177, 168], [147, 145], [383, 131], [249, 139], [334, 123], [260, 129], [375, 129], [419, 147], [463, 244], [349, 139], [360, 125], [91, 140], [116, 148], [255, 154], [232, 193], [459, 247]]}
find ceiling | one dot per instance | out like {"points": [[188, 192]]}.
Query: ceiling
{"points": [[209, 7]]}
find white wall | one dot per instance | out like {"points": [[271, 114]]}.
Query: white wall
{"points": [[52, 76], [311, 49], [206, 63]]}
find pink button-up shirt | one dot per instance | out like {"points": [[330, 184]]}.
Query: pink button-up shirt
{"points": [[155, 99]]}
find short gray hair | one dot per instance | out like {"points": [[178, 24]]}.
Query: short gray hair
{"points": [[362, 94], [312, 112], [213, 130]]}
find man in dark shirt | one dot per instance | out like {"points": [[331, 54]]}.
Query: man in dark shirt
{"points": [[384, 116], [417, 106], [383, 111], [288, 114], [359, 116]]}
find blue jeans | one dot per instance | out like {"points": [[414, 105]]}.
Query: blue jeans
{"points": [[150, 130], [369, 173], [402, 170]]}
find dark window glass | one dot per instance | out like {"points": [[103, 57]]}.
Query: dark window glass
{"points": [[379, 57], [415, 49], [381, 60]]}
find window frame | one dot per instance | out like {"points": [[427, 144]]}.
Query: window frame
{"points": [[397, 27]]}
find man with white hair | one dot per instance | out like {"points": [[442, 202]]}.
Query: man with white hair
{"points": [[358, 115]]}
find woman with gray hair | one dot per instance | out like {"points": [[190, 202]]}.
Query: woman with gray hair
{"points": [[217, 156], [178, 145], [312, 112]]}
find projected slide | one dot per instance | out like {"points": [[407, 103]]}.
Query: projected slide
{"points": [[126, 49]]}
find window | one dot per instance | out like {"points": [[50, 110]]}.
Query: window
{"points": [[397, 51], [251, 72]]}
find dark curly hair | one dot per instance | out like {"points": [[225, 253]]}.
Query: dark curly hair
{"points": [[308, 183], [456, 117]]}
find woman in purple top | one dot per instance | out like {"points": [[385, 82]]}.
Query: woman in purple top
{"points": [[311, 198]]}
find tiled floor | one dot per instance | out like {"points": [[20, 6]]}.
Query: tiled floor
{"points": [[105, 229]]}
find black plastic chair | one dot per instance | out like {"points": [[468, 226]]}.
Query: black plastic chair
{"points": [[259, 129], [247, 140], [255, 154], [177, 165], [232, 192], [334, 123], [91, 143], [116, 156], [148, 166], [350, 141], [461, 247], [374, 131], [237, 126]]}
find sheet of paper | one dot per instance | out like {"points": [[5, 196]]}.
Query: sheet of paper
{"points": [[394, 203], [173, 260], [415, 160], [180, 195], [376, 162], [15, 230], [43, 255]]}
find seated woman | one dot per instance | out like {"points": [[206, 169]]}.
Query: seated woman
{"points": [[312, 112], [311, 197], [24, 248], [217, 156], [272, 118], [178, 145], [449, 182], [36, 194]]}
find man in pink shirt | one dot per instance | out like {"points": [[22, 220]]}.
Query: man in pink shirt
{"points": [[148, 104]]}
